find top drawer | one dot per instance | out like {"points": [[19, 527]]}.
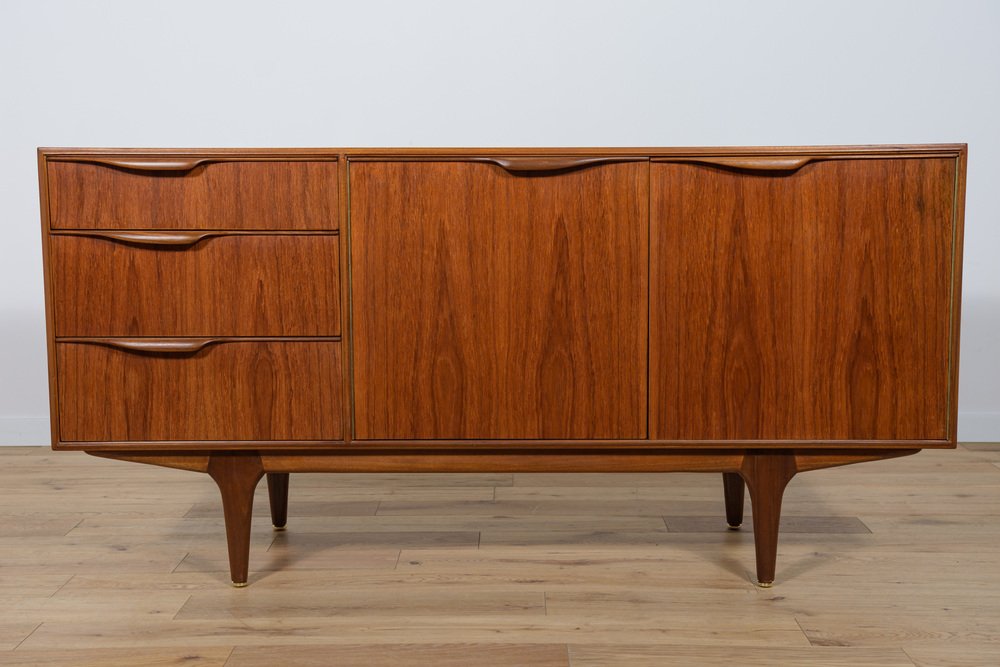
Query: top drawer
{"points": [[192, 193]]}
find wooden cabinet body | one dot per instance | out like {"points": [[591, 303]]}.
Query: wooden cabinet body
{"points": [[753, 312]]}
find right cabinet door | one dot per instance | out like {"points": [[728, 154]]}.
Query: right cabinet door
{"points": [[804, 305]]}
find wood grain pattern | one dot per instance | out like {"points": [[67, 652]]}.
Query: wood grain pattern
{"points": [[240, 285], [807, 306], [231, 391], [490, 305], [216, 195]]}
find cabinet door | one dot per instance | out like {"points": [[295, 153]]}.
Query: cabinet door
{"points": [[812, 305], [493, 305]]}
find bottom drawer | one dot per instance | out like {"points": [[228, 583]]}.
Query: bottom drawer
{"points": [[199, 389]]}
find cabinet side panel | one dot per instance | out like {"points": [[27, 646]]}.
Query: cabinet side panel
{"points": [[43, 196], [493, 305], [812, 305]]}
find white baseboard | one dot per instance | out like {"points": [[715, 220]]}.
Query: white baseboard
{"points": [[24, 431], [972, 427]]}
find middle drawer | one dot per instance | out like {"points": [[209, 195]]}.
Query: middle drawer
{"points": [[115, 284]]}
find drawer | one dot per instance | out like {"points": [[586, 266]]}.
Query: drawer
{"points": [[228, 285], [176, 193], [199, 389]]}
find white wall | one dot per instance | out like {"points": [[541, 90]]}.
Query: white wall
{"points": [[510, 73]]}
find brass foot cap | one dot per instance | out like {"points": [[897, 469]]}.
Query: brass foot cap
{"points": [[765, 584], [239, 584], [279, 528], [735, 526]]}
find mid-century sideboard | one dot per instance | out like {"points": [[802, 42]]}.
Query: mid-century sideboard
{"points": [[755, 312]]}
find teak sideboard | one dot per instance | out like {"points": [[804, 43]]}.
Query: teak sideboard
{"points": [[755, 312]]}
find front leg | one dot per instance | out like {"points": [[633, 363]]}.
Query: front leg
{"points": [[237, 475], [766, 474]]}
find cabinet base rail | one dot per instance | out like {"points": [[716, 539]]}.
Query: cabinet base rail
{"points": [[763, 472]]}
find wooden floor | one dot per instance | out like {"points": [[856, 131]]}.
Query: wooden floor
{"points": [[890, 563]]}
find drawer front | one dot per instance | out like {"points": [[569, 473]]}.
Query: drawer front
{"points": [[244, 390], [244, 195], [237, 285]]}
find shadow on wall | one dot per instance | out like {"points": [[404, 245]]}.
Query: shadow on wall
{"points": [[24, 388], [24, 377]]}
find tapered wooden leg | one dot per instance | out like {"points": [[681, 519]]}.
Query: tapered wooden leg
{"points": [[237, 475], [766, 475], [734, 486], [277, 491]]}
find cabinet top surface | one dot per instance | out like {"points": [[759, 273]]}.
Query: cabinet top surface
{"points": [[952, 149]]}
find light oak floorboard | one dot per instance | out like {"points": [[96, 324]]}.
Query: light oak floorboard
{"points": [[211, 656], [744, 656], [942, 655], [886, 564], [411, 655]]}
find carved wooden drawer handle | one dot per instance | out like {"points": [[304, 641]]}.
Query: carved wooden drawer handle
{"points": [[146, 238], [784, 163], [553, 162], [150, 164], [173, 346]]}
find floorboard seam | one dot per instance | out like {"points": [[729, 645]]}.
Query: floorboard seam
{"points": [[908, 656], [75, 526], [35, 629], [184, 558], [181, 608], [802, 630], [62, 586]]}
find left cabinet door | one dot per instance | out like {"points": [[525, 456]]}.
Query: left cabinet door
{"points": [[496, 305]]}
